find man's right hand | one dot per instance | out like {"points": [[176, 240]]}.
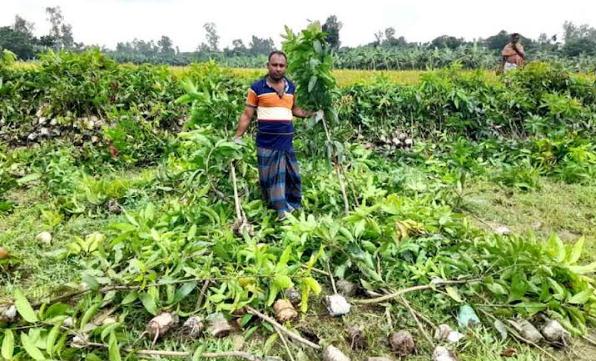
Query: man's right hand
{"points": [[238, 140]]}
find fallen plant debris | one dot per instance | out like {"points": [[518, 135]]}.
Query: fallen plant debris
{"points": [[332, 353], [402, 343], [159, 325]]}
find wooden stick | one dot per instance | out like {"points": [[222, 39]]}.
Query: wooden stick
{"points": [[283, 340], [331, 278], [202, 294], [289, 333], [420, 327], [589, 340], [342, 186], [393, 295], [236, 354], [166, 353], [236, 199]]}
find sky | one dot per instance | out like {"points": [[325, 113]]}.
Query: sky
{"points": [[106, 22]]}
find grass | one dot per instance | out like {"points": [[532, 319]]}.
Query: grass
{"points": [[565, 209]]}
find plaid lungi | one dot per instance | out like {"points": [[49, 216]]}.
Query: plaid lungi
{"points": [[280, 179]]}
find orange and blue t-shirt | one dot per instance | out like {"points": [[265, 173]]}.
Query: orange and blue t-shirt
{"points": [[274, 114]]}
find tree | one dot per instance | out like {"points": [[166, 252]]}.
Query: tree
{"points": [[17, 42], [447, 41], [378, 38], [498, 41], [238, 48], [165, 45], [23, 26], [260, 46], [579, 39], [390, 39], [332, 28], [59, 31], [211, 37]]}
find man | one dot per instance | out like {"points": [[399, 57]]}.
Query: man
{"points": [[513, 55], [273, 98]]}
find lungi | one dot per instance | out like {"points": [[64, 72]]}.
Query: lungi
{"points": [[279, 178]]}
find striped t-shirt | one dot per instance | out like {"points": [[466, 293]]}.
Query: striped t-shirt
{"points": [[274, 114]]}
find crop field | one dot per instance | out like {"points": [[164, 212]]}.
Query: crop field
{"points": [[438, 204]]}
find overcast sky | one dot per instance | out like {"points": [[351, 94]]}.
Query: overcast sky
{"points": [[105, 22]]}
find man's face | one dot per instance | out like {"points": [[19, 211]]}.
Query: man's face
{"points": [[515, 38], [277, 67]]}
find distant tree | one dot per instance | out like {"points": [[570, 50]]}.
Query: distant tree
{"points": [[17, 42], [332, 28], [165, 45], [498, 41], [447, 41], [238, 48], [391, 40], [579, 39], [23, 26], [260, 45], [59, 31], [211, 37], [378, 38]]}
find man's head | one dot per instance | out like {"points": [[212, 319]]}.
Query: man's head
{"points": [[515, 38], [276, 65]]}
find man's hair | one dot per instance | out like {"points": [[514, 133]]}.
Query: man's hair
{"points": [[277, 52], [515, 35]]}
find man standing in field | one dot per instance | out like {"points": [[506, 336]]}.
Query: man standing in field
{"points": [[273, 98], [513, 55]]}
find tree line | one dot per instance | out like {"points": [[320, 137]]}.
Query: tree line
{"points": [[388, 50]]}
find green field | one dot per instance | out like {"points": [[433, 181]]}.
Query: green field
{"points": [[117, 204]]}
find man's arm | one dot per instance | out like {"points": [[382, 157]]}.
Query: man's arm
{"points": [[301, 113], [244, 121], [519, 50]]}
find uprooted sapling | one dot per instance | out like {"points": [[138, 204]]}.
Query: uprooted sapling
{"points": [[219, 326], [160, 325], [332, 353], [193, 326], [241, 225], [284, 310], [402, 343]]}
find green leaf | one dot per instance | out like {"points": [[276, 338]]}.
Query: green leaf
{"points": [[28, 178], [576, 251], [24, 307], [8, 345], [312, 284], [317, 46], [496, 288], [114, 349], [518, 287], [88, 314], [581, 297], [92, 357], [90, 281], [582, 270], [556, 248], [453, 293], [57, 309], [282, 282], [184, 291], [533, 307], [30, 348], [52, 337], [130, 298], [149, 303], [311, 83]]}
